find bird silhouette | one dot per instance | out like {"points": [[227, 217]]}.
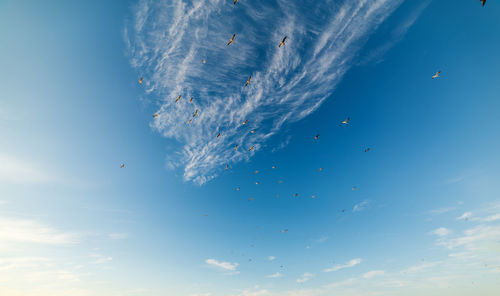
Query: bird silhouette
{"points": [[140, 80], [437, 75], [232, 39], [346, 121], [178, 98], [282, 42], [248, 81]]}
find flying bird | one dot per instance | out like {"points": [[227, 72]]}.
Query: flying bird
{"points": [[251, 148], [218, 135], [280, 181], [122, 166], [282, 42], [235, 2], [245, 122], [191, 100], [189, 121], [368, 149], [483, 1], [204, 61], [252, 131], [232, 39], [320, 169], [316, 137], [178, 98], [195, 113], [248, 81], [256, 172], [257, 183], [273, 167], [346, 121], [155, 115], [140, 80], [354, 188], [236, 148], [284, 231], [227, 167], [237, 188], [250, 199], [437, 75], [314, 196], [296, 195]]}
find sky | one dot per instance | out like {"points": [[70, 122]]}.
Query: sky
{"points": [[418, 213]]}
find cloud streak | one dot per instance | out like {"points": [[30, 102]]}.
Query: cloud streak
{"points": [[349, 264], [168, 39]]}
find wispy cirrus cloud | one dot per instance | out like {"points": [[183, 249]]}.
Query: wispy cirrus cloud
{"points": [[305, 277], [222, 265], [168, 39], [349, 264], [30, 231]]}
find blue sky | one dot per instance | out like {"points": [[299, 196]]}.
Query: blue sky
{"points": [[424, 218]]}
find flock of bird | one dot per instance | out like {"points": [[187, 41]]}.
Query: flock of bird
{"points": [[281, 44]]}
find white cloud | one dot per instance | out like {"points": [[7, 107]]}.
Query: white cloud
{"points": [[22, 262], [305, 277], [441, 231], [99, 258], [16, 171], [118, 235], [271, 258], [28, 231], [168, 40], [275, 275], [373, 273], [223, 265], [349, 264], [361, 206]]}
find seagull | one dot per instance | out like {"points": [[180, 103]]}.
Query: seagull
{"points": [[195, 113], [437, 75], [218, 135], [122, 166], [252, 131], [320, 169], [250, 199], [282, 42], [483, 1], [316, 137], [346, 121], [251, 148], [204, 61], [256, 172], [235, 2], [227, 167], [191, 100], [178, 98], [284, 231], [140, 81], [273, 167], [189, 121], [368, 149], [155, 115], [248, 81], [236, 148], [232, 39], [245, 122], [257, 183]]}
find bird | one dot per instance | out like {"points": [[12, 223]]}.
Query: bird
{"points": [[437, 75], [296, 195], [178, 98], [282, 42], [232, 39], [346, 121], [250, 199], [140, 80], [314, 196], [189, 121], [218, 135], [320, 169], [354, 188], [256, 172], [280, 181], [316, 137], [235, 2], [195, 113], [284, 231], [235, 147], [273, 167], [248, 81], [191, 100], [483, 1], [368, 149], [244, 122], [252, 131], [155, 115], [251, 148], [343, 210], [237, 188], [227, 167], [204, 61], [122, 166], [257, 183]]}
